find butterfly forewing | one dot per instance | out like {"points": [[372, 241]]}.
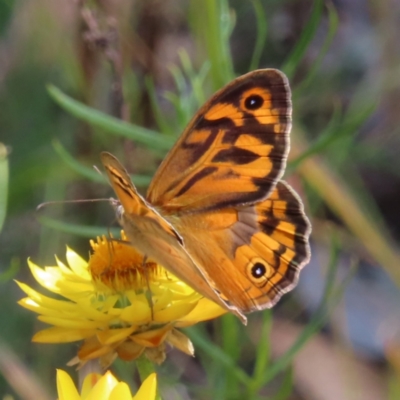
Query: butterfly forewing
{"points": [[233, 151]]}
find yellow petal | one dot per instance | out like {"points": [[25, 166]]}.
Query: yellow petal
{"points": [[52, 309], [89, 312], [73, 289], [71, 323], [77, 264], [88, 383], [110, 336], [65, 387], [103, 388], [47, 280], [148, 389], [33, 294], [152, 338], [92, 349], [121, 392], [136, 313], [33, 306], [133, 297], [174, 312], [62, 335], [204, 310], [179, 288], [63, 268], [163, 300], [109, 302]]}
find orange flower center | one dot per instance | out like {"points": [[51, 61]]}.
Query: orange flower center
{"points": [[118, 266]]}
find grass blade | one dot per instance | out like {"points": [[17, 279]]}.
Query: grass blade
{"points": [[261, 34], [151, 139], [262, 355], [3, 183], [286, 387], [161, 121], [212, 23], [336, 131], [306, 36], [333, 21], [216, 353], [78, 230], [329, 300], [90, 173]]}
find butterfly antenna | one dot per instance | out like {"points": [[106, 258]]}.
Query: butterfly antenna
{"points": [[98, 171], [47, 203]]}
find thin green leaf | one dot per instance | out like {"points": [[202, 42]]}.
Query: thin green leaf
{"points": [[198, 84], [261, 34], [262, 355], [336, 131], [196, 80], [82, 170], [213, 23], [231, 340], [11, 271], [179, 79], [78, 230], [286, 387], [333, 23], [306, 36], [330, 134], [181, 101], [186, 64], [230, 335], [161, 121], [151, 139], [181, 113], [3, 183], [284, 361], [216, 353], [319, 319], [90, 173], [145, 368]]}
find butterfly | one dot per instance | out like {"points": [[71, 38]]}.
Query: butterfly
{"points": [[217, 214]]}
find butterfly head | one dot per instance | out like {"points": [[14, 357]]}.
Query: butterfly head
{"points": [[118, 209]]}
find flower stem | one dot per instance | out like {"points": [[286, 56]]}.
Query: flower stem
{"points": [[145, 368]]}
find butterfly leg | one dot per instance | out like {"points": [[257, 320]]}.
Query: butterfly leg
{"points": [[149, 295]]}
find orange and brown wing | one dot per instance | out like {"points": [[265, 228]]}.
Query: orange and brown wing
{"points": [[131, 201], [233, 151], [254, 253]]}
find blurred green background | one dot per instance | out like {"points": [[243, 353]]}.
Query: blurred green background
{"points": [[152, 64]]}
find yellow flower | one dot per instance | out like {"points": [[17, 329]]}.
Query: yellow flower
{"points": [[104, 387], [119, 304]]}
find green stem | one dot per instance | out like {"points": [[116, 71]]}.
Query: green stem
{"points": [[145, 368]]}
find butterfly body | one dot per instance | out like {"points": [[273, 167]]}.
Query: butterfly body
{"points": [[216, 213]]}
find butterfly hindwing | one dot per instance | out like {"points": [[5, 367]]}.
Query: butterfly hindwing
{"points": [[257, 251]]}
